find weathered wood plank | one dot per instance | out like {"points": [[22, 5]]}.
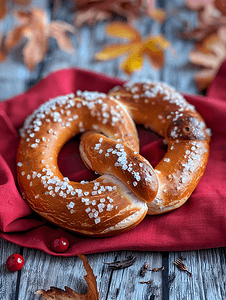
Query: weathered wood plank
{"points": [[208, 270], [126, 284], [42, 271], [8, 280]]}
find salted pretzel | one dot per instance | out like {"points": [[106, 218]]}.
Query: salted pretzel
{"points": [[128, 187], [112, 203], [165, 111]]}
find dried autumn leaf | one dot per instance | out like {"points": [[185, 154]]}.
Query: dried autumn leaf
{"points": [[158, 14], [209, 54], [3, 8], [68, 294], [89, 11], [197, 5], [209, 49], [210, 19], [222, 33], [36, 28], [220, 5], [22, 2], [135, 50], [59, 30], [204, 78], [201, 32], [206, 9], [91, 16], [2, 52]]}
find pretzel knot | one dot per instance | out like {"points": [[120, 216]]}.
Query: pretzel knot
{"points": [[128, 187]]}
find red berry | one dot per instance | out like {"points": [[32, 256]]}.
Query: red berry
{"points": [[60, 244], [15, 262]]}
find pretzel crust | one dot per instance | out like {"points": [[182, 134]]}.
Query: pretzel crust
{"points": [[102, 207], [128, 187], [162, 109], [116, 159]]}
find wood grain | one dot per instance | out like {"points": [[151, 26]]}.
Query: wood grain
{"points": [[8, 280], [208, 270], [41, 270]]}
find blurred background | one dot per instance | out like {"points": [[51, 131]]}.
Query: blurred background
{"points": [[181, 42]]}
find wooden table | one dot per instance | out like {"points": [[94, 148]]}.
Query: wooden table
{"points": [[41, 270]]}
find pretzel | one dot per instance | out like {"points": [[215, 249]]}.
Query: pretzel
{"points": [[112, 203], [162, 109], [128, 187]]}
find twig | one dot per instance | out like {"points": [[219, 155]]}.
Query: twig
{"points": [[121, 264], [157, 269], [147, 282]]}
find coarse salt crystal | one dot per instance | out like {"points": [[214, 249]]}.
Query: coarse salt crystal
{"points": [[97, 220], [166, 159]]}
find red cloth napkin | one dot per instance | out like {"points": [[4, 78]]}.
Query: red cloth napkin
{"points": [[200, 223]]}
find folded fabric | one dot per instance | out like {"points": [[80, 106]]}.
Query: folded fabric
{"points": [[198, 224]]}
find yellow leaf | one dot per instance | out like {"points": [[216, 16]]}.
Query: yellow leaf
{"points": [[123, 30], [133, 62], [113, 51], [159, 41], [154, 47], [135, 49]]}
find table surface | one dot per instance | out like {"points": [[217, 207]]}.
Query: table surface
{"points": [[42, 270]]}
